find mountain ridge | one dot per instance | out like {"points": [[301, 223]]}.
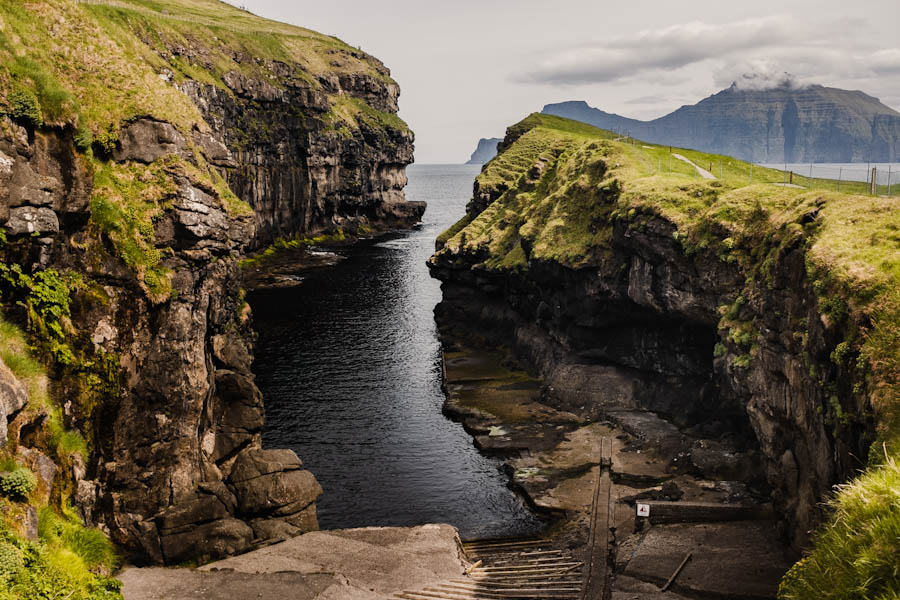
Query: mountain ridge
{"points": [[810, 123]]}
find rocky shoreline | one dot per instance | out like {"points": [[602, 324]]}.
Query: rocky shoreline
{"points": [[697, 489]]}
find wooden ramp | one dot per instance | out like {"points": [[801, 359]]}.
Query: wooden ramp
{"points": [[520, 568]]}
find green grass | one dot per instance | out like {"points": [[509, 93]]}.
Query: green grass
{"points": [[855, 555], [68, 561], [281, 245], [536, 135]]}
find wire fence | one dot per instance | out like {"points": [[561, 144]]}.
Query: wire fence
{"points": [[877, 179]]}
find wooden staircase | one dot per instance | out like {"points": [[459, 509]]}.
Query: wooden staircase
{"points": [[521, 568]]}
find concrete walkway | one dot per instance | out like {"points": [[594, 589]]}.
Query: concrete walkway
{"points": [[703, 172], [371, 563]]}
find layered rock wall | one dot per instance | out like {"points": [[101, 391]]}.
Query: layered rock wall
{"points": [[291, 163]]}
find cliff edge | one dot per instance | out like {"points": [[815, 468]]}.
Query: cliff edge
{"points": [[144, 149]]}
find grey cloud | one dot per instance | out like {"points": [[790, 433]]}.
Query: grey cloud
{"points": [[655, 50], [755, 53], [648, 100]]}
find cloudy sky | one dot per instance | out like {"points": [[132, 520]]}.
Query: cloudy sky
{"points": [[470, 68]]}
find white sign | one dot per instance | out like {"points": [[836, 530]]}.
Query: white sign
{"points": [[643, 510]]}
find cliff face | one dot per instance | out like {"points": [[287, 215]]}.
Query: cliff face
{"points": [[298, 173], [485, 151], [784, 124], [216, 133], [691, 299]]}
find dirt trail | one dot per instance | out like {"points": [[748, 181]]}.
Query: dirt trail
{"points": [[703, 172]]}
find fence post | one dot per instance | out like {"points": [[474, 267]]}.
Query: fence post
{"points": [[840, 174], [889, 179], [874, 186]]}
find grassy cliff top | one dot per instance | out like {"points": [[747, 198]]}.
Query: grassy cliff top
{"points": [[562, 186], [98, 63]]}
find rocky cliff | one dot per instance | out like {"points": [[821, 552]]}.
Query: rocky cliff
{"points": [[485, 151], [753, 314], [782, 124], [143, 152]]}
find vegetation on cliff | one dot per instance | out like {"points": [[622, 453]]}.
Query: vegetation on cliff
{"points": [[67, 559], [558, 190]]}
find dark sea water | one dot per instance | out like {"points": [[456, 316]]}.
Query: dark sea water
{"points": [[349, 365]]}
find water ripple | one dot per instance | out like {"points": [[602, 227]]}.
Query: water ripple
{"points": [[349, 365]]}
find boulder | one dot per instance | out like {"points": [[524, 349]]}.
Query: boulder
{"points": [[199, 219], [238, 414], [26, 220], [282, 493], [717, 460], [185, 515], [146, 140], [274, 530], [255, 463], [214, 539]]}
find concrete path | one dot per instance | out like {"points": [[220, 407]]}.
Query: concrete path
{"points": [[371, 563], [703, 172], [789, 185]]}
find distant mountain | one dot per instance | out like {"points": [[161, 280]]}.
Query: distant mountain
{"points": [[783, 124], [486, 150]]}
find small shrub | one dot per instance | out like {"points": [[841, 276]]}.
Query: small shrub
{"points": [[742, 361], [719, 350], [18, 484], [841, 351], [24, 106], [11, 561]]}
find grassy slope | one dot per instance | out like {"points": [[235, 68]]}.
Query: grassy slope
{"points": [[98, 62], [565, 214], [68, 560]]}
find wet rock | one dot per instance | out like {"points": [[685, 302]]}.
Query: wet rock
{"points": [[13, 398], [717, 460]]}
